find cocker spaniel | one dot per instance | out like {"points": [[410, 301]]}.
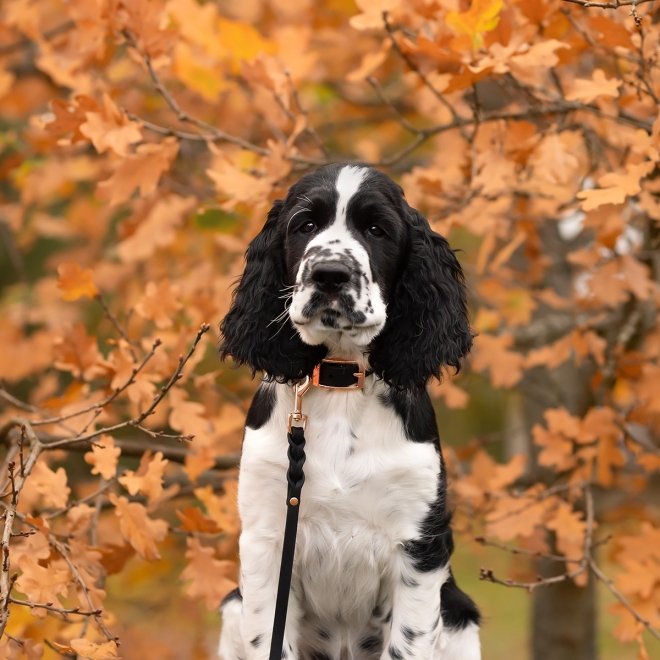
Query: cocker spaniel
{"points": [[345, 271]]}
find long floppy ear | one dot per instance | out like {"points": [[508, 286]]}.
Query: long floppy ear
{"points": [[427, 324], [257, 330]]}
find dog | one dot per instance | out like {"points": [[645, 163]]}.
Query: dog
{"points": [[344, 269]]}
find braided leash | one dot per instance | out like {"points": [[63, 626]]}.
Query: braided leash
{"points": [[295, 479]]}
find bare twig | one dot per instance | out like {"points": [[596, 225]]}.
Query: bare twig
{"points": [[210, 133], [52, 608], [609, 584], [616, 4], [109, 399], [17, 482]]}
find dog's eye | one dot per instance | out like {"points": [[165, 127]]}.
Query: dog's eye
{"points": [[375, 230], [307, 228]]}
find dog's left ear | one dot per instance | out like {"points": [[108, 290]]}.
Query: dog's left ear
{"points": [[256, 330], [427, 324]]}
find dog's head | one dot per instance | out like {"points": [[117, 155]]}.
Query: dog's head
{"points": [[344, 265]]}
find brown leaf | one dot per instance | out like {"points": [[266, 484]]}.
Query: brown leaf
{"points": [[110, 129], [103, 457], [148, 479], [491, 353], [86, 649], [142, 170], [137, 528], [209, 578], [43, 584], [75, 282]]}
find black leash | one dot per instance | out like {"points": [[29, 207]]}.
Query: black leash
{"points": [[331, 374], [295, 478]]}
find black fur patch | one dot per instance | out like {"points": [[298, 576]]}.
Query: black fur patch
{"points": [[261, 407], [458, 609]]}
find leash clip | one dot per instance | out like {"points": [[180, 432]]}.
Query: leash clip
{"points": [[296, 418]]}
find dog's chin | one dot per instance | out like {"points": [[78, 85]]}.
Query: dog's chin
{"points": [[344, 338]]}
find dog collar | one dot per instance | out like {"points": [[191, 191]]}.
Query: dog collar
{"points": [[338, 375]]}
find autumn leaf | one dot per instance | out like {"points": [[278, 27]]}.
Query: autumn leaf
{"points": [[137, 528], [372, 13], [78, 352], [154, 228], [589, 89], [141, 169], [94, 651], [148, 479], [75, 282], [492, 354], [193, 520], [209, 578], [110, 129], [103, 457], [43, 584], [221, 509], [615, 188], [482, 17], [159, 303], [50, 484]]}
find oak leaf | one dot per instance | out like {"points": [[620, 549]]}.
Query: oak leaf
{"points": [[589, 89], [482, 17], [209, 578], [103, 457], [148, 479], [141, 169], [159, 303], [154, 228], [43, 584], [372, 13], [94, 651], [75, 282], [137, 528], [78, 352], [110, 129], [492, 354], [193, 520], [615, 187], [50, 484], [221, 509]]}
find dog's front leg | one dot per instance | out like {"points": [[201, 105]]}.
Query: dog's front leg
{"points": [[415, 623], [260, 565]]}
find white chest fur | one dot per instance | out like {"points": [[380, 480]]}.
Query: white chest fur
{"points": [[367, 489]]}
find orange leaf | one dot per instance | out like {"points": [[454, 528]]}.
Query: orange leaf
{"points": [[482, 17], [103, 457], [86, 649], [148, 479], [110, 129], [137, 528], [615, 187], [142, 170], [159, 303], [43, 584], [75, 282], [492, 354], [210, 578], [589, 89], [51, 485], [193, 520]]}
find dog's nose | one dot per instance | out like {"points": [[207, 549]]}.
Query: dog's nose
{"points": [[330, 276]]}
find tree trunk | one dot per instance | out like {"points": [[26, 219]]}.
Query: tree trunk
{"points": [[563, 619]]}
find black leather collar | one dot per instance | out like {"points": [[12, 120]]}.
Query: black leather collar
{"points": [[338, 374]]}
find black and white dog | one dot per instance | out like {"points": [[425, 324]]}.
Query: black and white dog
{"points": [[344, 268]]}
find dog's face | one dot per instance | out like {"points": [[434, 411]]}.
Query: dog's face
{"points": [[345, 264], [344, 238]]}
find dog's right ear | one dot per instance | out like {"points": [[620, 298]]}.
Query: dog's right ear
{"points": [[257, 330]]}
